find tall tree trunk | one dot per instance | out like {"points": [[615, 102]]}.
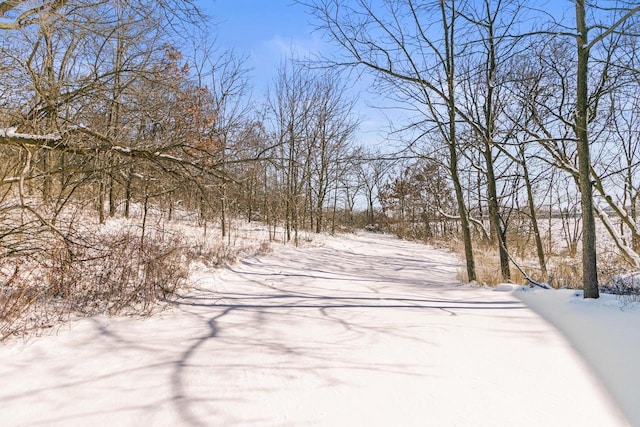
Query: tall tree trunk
{"points": [[101, 215], [448, 29], [127, 192], [335, 208], [223, 211], [589, 262], [291, 186], [46, 171], [112, 188], [497, 233], [370, 212]]}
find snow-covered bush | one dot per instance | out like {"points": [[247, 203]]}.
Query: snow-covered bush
{"points": [[373, 228], [116, 274]]}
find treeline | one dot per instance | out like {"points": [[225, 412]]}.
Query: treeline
{"points": [[122, 107], [514, 100], [111, 105], [126, 109]]}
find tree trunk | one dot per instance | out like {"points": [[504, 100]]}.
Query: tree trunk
{"points": [[452, 142], [223, 210], [534, 216], [589, 262], [101, 216], [127, 193], [112, 188], [497, 233]]}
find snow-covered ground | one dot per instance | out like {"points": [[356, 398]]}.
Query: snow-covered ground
{"points": [[361, 330], [605, 331]]}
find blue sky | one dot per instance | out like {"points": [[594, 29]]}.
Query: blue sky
{"points": [[267, 32]]}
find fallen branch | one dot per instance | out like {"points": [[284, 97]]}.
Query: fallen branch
{"points": [[524, 274]]}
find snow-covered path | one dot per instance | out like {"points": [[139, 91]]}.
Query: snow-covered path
{"points": [[363, 331]]}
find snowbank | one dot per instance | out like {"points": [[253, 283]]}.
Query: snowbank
{"points": [[605, 331]]}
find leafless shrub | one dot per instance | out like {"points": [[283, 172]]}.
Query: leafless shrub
{"points": [[116, 275], [618, 279], [23, 310], [211, 255], [565, 272], [265, 247], [113, 274], [520, 238]]}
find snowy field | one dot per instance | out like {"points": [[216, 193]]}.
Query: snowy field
{"points": [[361, 330]]}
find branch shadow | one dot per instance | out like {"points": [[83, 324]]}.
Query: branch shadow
{"points": [[337, 292], [297, 305]]}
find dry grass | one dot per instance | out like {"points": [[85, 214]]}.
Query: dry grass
{"points": [[487, 265], [214, 252], [565, 272], [563, 269], [212, 255]]}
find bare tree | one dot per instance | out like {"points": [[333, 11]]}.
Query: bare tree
{"points": [[329, 139], [371, 172], [290, 108], [596, 44], [399, 44], [485, 99]]}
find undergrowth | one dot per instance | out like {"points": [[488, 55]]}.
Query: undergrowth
{"points": [[116, 269], [112, 274], [564, 270]]}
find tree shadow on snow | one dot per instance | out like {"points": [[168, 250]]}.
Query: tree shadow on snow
{"points": [[254, 311]]}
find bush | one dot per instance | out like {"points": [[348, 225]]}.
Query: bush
{"points": [[114, 274]]}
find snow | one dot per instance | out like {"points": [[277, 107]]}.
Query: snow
{"points": [[11, 133], [360, 330], [504, 287], [606, 331], [8, 132], [125, 150]]}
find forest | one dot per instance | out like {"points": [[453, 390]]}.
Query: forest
{"points": [[519, 143]]}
